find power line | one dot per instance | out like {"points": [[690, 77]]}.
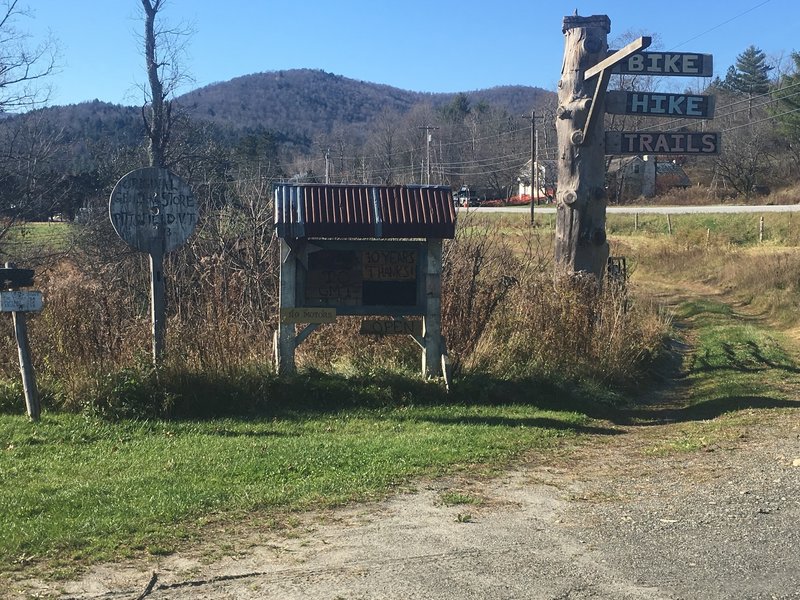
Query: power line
{"points": [[699, 35], [770, 118]]}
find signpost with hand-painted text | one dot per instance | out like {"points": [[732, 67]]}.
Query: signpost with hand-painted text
{"points": [[154, 211], [662, 142], [657, 104], [19, 303], [581, 244]]}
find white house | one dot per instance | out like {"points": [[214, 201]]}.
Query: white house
{"points": [[547, 178]]}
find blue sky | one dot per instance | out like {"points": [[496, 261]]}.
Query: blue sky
{"points": [[421, 45]]}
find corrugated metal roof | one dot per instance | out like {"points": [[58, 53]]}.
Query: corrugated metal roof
{"points": [[364, 211]]}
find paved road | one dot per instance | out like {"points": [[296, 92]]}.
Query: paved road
{"points": [[655, 210]]}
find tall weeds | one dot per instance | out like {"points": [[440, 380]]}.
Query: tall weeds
{"points": [[503, 315]]}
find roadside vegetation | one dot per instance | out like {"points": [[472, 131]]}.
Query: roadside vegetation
{"points": [[127, 461]]}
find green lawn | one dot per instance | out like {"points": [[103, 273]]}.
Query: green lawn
{"points": [[74, 488]]}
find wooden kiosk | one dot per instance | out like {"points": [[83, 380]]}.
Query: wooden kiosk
{"points": [[361, 250]]}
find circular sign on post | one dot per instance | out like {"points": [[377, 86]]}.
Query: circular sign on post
{"points": [[153, 210]]}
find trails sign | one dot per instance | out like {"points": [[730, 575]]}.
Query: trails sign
{"points": [[153, 210], [660, 104], [628, 142], [679, 64]]}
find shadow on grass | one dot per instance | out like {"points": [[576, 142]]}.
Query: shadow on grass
{"points": [[533, 422], [702, 411]]}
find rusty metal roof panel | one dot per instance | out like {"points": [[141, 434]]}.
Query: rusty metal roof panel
{"points": [[363, 211]]}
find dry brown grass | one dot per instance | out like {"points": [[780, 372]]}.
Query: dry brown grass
{"points": [[503, 314]]}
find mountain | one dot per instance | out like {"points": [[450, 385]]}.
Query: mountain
{"points": [[305, 102], [294, 106]]}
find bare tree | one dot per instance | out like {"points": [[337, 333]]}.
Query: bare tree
{"points": [[746, 160], [164, 48], [23, 65]]}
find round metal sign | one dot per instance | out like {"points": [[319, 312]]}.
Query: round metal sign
{"points": [[153, 210]]}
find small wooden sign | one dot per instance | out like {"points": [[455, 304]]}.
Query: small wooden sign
{"points": [[676, 64], [153, 210], [308, 315], [21, 301], [390, 327], [15, 278], [672, 142], [657, 104]]}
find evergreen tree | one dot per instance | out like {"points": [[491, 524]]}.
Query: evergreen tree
{"points": [[786, 110], [750, 75], [787, 105]]}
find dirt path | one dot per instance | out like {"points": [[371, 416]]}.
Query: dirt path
{"points": [[630, 516]]}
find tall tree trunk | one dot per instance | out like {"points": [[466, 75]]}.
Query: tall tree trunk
{"points": [[581, 243]]}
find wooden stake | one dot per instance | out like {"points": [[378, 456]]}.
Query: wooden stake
{"points": [[761, 229], [25, 363], [669, 224], [158, 305]]}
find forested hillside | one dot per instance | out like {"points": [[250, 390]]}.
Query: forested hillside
{"points": [[309, 125], [63, 157]]}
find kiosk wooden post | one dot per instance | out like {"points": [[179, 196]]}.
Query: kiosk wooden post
{"points": [[285, 339], [432, 320]]}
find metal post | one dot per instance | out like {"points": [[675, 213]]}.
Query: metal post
{"points": [[158, 305]]}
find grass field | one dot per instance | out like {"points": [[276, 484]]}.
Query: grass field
{"points": [[76, 490]]}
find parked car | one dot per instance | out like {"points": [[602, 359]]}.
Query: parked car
{"points": [[466, 197]]}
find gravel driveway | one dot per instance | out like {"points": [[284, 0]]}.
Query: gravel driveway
{"points": [[626, 517]]}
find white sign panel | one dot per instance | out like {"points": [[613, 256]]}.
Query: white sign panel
{"points": [[20, 301]]}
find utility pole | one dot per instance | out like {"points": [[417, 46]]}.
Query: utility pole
{"points": [[327, 165], [428, 129], [534, 169]]}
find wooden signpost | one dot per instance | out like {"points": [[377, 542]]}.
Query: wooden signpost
{"points": [[581, 244], [18, 303], [155, 212]]}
